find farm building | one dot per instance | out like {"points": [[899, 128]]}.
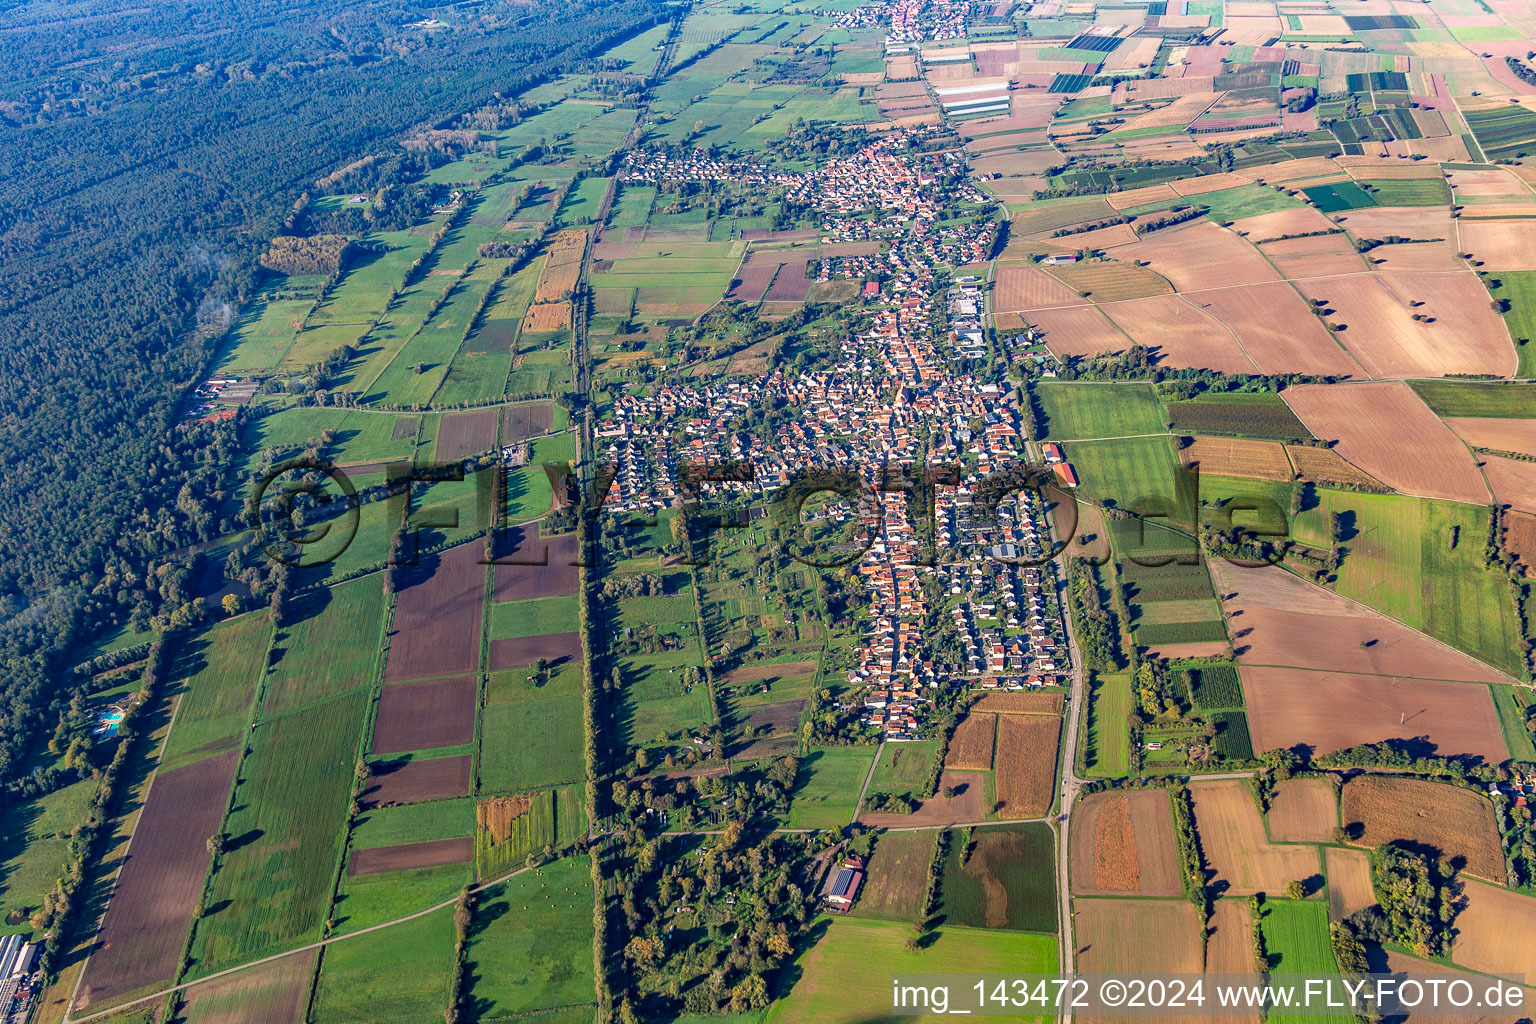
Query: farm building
{"points": [[1066, 474], [842, 887]]}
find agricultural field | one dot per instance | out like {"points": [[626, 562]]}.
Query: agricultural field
{"points": [[1123, 844], [1457, 822], [1003, 878], [1236, 845], [1085, 411], [898, 873]]}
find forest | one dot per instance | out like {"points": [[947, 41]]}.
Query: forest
{"points": [[147, 158]]}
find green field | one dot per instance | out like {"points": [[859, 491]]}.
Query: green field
{"points": [[1296, 940], [273, 883], [828, 785], [904, 768], [531, 942], [1512, 708], [849, 971], [1343, 195], [34, 845], [331, 646], [1099, 410], [1245, 201], [1487, 399], [1008, 880], [414, 823], [399, 975], [1518, 288], [1108, 738], [366, 900], [534, 617], [215, 705], [1410, 192], [531, 742], [1135, 474]]}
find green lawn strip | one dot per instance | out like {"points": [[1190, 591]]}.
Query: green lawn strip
{"points": [[1512, 705], [414, 823], [530, 743], [398, 975], [828, 786], [331, 646], [1099, 410], [1476, 398], [222, 667], [534, 617], [1108, 737]]}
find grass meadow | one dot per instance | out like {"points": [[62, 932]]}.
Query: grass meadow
{"points": [[215, 704], [828, 786], [399, 975]]}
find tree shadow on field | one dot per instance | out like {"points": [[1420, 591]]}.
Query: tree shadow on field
{"points": [[244, 839]]}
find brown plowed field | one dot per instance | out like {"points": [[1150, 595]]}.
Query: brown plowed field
{"points": [[1235, 846], [1334, 710], [1229, 950], [1026, 764], [1303, 811], [273, 993], [1224, 456], [431, 779], [1388, 431], [1180, 334], [161, 881], [1122, 844], [554, 648], [1349, 881], [1380, 222], [431, 854], [775, 670], [1520, 539], [1300, 220], [527, 419], [1316, 256], [791, 285], [971, 745], [1500, 244], [968, 804], [1149, 194], [1020, 703], [751, 282], [1199, 255], [1324, 465], [1278, 330], [1270, 608], [1111, 282], [426, 714], [1080, 331], [1496, 933], [1104, 238], [436, 626], [1019, 286], [1458, 823], [1423, 257], [1137, 937], [463, 434], [552, 573], [1513, 481], [1502, 435]]}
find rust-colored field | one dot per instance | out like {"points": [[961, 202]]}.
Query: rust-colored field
{"points": [[554, 648], [1021, 703], [1229, 949], [1026, 764], [1048, 217], [464, 434], [430, 779], [272, 993], [1499, 434], [1334, 710], [1234, 843], [1388, 431], [1303, 811], [549, 316], [1373, 315], [1122, 844], [430, 854], [1137, 937], [557, 283], [1349, 881], [1293, 170], [775, 670], [1199, 255], [971, 745], [1324, 465], [1111, 281], [1270, 608], [1513, 482], [1314, 257], [531, 565], [968, 804], [1081, 330], [525, 419], [1180, 334], [1519, 539], [1019, 286], [1104, 238], [1459, 823], [1496, 932], [1278, 330], [1500, 244], [1224, 456], [496, 814], [436, 626], [161, 881], [425, 714]]}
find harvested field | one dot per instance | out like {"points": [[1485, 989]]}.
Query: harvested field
{"points": [[1236, 848], [1423, 257], [968, 804], [773, 670], [1303, 811], [431, 854], [529, 565], [1500, 245], [1081, 330], [1324, 465], [549, 316], [1373, 317], [273, 993], [1141, 196], [554, 648], [1122, 844], [1019, 286], [146, 923], [1266, 227], [1199, 255], [408, 782], [1501, 435], [1111, 281], [1229, 949], [1335, 710], [495, 815], [1520, 539], [971, 745], [466, 434], [524, 420], [1496, 932], [1105, 238], [1457, 823], [1180, 334], [1277, 330], [1228, 456], [1318, 256], [436, 625], [1270, 608], [1022, 703], [1388, 431], [1137, 937], [791, 284], [1349, 881], [557, 282], [1380, 222], [898, 870], [1513, 482], [1050, 216], [1026, 764], [425, 714]]}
